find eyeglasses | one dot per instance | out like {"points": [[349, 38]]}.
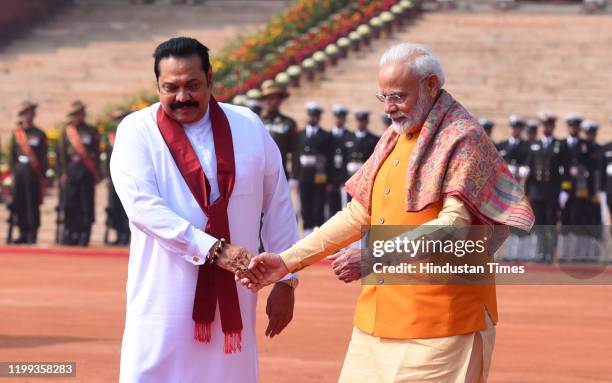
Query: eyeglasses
{"points": [[392, 98]]}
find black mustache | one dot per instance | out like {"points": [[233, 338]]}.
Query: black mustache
{"points": [[184, 104]]}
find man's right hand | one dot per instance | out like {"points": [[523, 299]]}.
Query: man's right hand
{"points": [[270, 266], [236, 259]]}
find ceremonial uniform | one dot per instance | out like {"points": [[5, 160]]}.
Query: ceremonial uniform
{"points": [[547, 161], [79, 164], [575, 232], [360, 148], [338, 174], [531, 131], [515, 151], [606, 173], [283, 130], [313, 162], [487, 125], [594, 186], [28, 164], [575, 182], [362, 144], [117, 218]]}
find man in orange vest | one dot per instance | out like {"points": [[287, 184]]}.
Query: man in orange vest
{"points": [[435, 165]]}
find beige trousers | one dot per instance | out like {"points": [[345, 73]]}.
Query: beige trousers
{"points": [[453, 359]]}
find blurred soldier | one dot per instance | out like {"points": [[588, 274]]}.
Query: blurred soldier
{"points": [[386, 120], [531, 131], [338, 176], [254, 106], [487, 125], [575, 197], [117, 218], [363, 145], [252, 102], [79, 154], [28, 164], [546, 162], [312, 165], [594, 216], [606, 174], [282, 128], [515, 151]]}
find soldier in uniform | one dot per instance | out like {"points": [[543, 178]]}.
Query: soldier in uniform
{"points": [[531, 131], [515, 151], [282, 128], [606, 173], [313, 164], [546, 164], [117, 218], [594, 216], [28, 164], [575, 197], [340, 137], [252, 101], [79, 164], [487, 125], [363, 144]]}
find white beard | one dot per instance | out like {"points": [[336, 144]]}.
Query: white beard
{"points": [[411, 122]]}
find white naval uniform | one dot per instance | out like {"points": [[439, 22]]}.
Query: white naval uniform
{"points": [[167, 233]]}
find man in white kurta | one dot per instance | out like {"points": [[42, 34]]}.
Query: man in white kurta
{"points": [[167, 235]]}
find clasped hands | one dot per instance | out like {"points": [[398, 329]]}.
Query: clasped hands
{"points": [[253, 272], [267, 268], [257, 272]]}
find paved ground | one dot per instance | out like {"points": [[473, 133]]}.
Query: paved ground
{"points": [[62, 308]]}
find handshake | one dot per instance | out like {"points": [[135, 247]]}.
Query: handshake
{"points": [[253, 272], [266, 268], [263, 269]]}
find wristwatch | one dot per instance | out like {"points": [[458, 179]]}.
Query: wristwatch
{"points": [[292, 282]]}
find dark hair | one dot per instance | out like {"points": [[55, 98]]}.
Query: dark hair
{"points": [[181, 47]]}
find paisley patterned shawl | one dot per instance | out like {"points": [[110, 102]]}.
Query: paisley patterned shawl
{"points": [[453, 157]]}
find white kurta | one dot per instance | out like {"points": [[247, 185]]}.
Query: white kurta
{"points": [[167, 224]]}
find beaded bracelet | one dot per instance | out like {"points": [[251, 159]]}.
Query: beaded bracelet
{"points": [[216, 252]]}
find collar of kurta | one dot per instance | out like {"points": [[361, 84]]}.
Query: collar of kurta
{"points": [[453, 157], [214, 285]]}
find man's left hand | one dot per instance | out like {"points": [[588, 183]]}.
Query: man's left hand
{"points": [[279, 308], [347, 264]]}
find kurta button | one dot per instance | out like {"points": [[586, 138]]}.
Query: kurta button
{"points": [[380, 280], [196, 259], [381, 220], [395, 162], [387, 190]]}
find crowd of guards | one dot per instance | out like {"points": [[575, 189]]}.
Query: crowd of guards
{"points": [[566, 180], [78, 168]]}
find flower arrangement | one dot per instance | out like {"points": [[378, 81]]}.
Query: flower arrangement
{"points": [[297, 41]]}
